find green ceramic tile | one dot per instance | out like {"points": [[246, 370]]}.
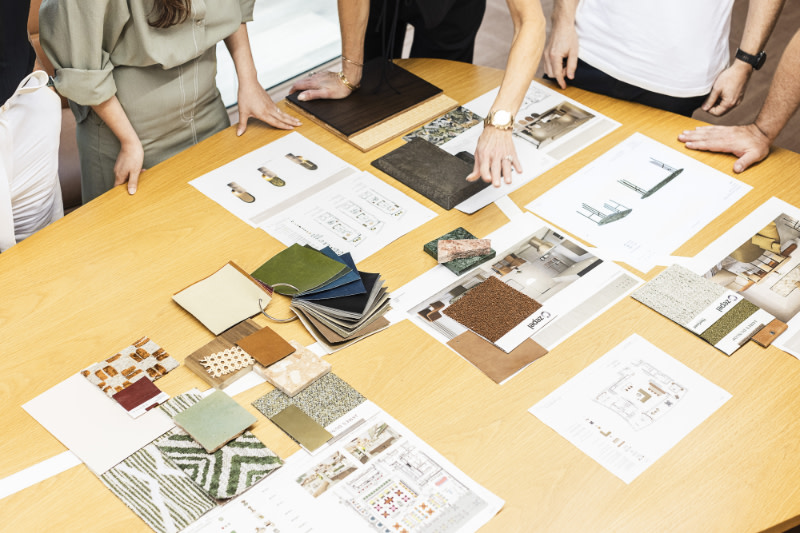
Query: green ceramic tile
{"points": [[305, 268], [458, 266], [215, 420]]}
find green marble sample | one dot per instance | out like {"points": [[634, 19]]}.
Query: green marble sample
{"points": [[457, 266]]}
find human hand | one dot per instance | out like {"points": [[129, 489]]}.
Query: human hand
{"points": [[326, 85], [728, 89], [562, 47], [255, 102], [129, 164], [748, 143], [495, 157]]}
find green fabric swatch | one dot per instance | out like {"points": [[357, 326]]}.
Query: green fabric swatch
{"points": [[215, 420], [305, 268]]}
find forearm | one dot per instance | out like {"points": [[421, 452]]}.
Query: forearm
{"points": [[353, 16], [238, 45], [523, 58], [114, 116], [761, 18], [783, 98], [564, 12]]}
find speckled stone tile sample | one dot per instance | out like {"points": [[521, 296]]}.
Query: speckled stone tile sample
{"points": [[325, 400], [728, 322], [449, 249], [143, 358], [679, 294], [225, 473], [492, 309], [297, 371], [215, 420]]}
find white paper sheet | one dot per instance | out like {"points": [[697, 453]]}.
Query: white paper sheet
{"points": [[630, 407], [92, 425], [639, 201], [771, 280], [572, 284], [379, 477], [543, 154], [356, 213]]}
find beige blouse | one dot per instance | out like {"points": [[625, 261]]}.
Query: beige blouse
{"points": [[86, 39]]}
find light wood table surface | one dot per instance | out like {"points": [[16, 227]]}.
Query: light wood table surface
{"points": [[103, 276]]}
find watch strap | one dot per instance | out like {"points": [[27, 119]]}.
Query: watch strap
{"points": [[756, 61]]}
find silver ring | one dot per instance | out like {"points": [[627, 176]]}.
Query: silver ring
{"points": [[264, 311], [509, 158]]}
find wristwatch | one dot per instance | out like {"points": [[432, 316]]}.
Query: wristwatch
{"points": [[500, 119], [756, 61]]}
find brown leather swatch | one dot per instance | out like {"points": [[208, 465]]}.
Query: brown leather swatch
{"points": [[770, 332], [136, 394], [266, 346], [493, 361]]}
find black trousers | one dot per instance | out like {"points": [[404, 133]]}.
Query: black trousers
{"points": [[591, 79], [16, 53], [442, 29]]}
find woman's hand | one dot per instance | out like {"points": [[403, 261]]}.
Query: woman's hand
{"points": [[255, 102], [495, 157], [322, 85], [129, 164]]}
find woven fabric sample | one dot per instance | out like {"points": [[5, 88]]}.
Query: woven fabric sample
{"points": [[679, 294], [215, 420], [729, 321], [297, 371], [180, 403], [142, 358], [157, 491], [227, 361], [325, 400], [492, 309], [227, 472]]}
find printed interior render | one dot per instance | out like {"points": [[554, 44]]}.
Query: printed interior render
{"points": [[766, 269], [541, 130]]}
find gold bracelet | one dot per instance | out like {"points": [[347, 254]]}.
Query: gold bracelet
{"points": [[346, 82], [353, 62]]}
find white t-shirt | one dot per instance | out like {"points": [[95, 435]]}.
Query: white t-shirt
{"points": [[30, 129], [672, 47]]}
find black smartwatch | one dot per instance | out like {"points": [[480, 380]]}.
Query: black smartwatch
{"points": [[756, 61]]}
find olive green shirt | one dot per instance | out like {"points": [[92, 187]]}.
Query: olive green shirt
{"points": [[86, 39]]}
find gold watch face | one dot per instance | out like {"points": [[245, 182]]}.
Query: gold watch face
{"points": [[501, 119]]}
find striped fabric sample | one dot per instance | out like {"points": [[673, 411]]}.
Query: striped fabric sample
{"points": [[143, 358], [157, 491], [179, 403], [225, 473]]}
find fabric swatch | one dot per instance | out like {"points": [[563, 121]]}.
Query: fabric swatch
{"points": [[157, 491], [729, 321], [326, 400], [266, 346], [296, 371], [491, 360], [457, 266], [223, 299], [304, 268], [447, 127], [143, 358], [301, 427], [350, 283], [179, 403], [215, 420], [229, 471], [227, 361], [679, 294], [226, 340], [140, 397], [492, 309]]}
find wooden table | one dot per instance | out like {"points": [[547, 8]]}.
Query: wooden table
{"points": [[104, 275]]}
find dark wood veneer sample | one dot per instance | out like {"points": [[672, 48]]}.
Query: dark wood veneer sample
{"points": [[386, 90]]}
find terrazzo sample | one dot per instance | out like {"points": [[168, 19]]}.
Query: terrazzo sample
{"points": [[266, 346], [301, 427], [297, 371], [227, 472], [679, 294], [457, 266], [326, 400], [156, 490], [223, 299], [492, 309], [215, 420], [143, 358]]}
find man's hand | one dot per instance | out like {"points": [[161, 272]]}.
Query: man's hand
{"points": [[495, 157], [562, 48], [325, 85], [728, 89], [748, 143], [255, 102], [129, 164]]}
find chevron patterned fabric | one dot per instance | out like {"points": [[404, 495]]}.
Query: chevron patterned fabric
{"points": [[227, 472]]}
